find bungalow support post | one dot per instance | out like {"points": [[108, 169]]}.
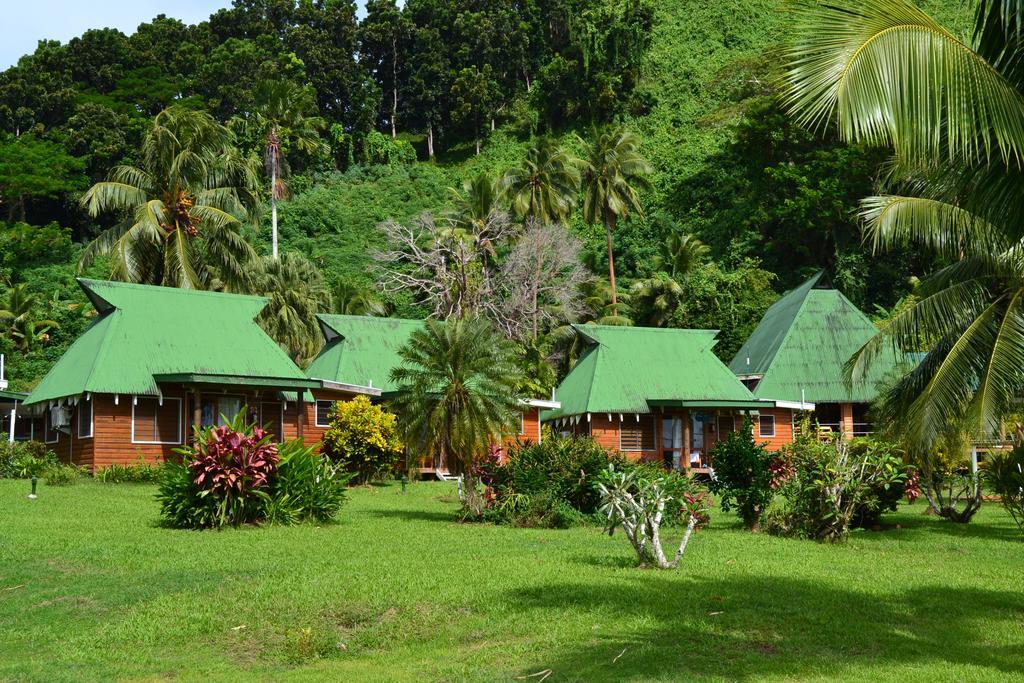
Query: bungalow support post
{"points": [[14, 416], [685, 465], [300, 406], [197, 411]]}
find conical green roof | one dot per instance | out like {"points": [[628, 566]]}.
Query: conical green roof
{"points": [[801, 345]]}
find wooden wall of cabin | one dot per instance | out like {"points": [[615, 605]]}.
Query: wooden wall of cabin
{"points": [[112, 443]]}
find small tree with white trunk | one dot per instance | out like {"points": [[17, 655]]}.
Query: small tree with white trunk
{"points": [[641, 504]]}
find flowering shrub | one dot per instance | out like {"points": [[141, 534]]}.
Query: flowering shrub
{"points": [[834, 485], [362, 439], [234, 475], [550, 484]]}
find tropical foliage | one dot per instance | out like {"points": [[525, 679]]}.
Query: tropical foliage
{"points": [[743, 475], [234, 474], [886, 73], [551, 484], [362, 439], [456, 392], [178, 209], [642, 500], [1004, 475]]}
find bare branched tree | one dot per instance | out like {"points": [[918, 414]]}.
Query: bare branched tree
{"points": [[539, 283], [444, 264]]}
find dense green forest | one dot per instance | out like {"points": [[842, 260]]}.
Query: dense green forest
{"points": [[397, 116]]}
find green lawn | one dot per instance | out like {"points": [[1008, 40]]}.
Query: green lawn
{"points": [[91, 588]]}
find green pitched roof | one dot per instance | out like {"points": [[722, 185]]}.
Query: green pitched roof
{"points": [[802, 343], [627, 369], [361, 350], [142, 331]]}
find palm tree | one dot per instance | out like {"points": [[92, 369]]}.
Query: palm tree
{"points": [[613, 176], [16, 319], [350, 298], [661, 295], [179, 208], [297, 293], [455, 391], [542, 189], [681, 254], [884, 72], [476, 218], [285, 116]]}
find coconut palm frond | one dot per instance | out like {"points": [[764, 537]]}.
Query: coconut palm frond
{"points": [[888, 74]]}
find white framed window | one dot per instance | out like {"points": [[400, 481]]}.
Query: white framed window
{"points": [[636, 435], [323, 413], [85, 418], [766, 425], [154, 423]]}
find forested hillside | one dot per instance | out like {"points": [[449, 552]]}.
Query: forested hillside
{"points": [[357, 122]]}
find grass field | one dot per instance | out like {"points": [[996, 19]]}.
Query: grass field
{"points": [[92, 589]]}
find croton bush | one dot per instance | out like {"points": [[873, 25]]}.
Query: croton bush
{"points": [[235, 474], [363, 439]]}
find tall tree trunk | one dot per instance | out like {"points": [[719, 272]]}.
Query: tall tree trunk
{"points": [[430, 141], [394, 86], [609, 226], [273, 209], [536, 286], [478, 145]]}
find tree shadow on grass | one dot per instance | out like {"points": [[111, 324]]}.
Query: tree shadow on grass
{"points": [[919, 526], [745, 627], [417, 515]]}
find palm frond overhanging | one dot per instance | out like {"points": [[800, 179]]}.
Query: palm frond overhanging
{"points": [[884, 72]]}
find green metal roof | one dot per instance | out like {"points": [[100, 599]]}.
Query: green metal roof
{"points": [[12, 395], [361, 350], [628, 369], [802, 343], [142, 331]]}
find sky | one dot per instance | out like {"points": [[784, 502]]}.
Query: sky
{"points": [[26, 22]]}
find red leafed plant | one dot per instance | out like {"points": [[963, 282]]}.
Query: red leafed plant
{"points": [[233, 463], [225, 479]]}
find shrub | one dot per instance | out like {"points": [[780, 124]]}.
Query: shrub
{"points": [[307, 486], [142, 473], [825, 483], [362, 439], [642, 500], [743, 474], [234, 475], [551, 484], [60, 474], [25, 459], [1004, 475]]}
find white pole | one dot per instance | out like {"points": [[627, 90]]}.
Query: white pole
{"points": [[14, 415]]}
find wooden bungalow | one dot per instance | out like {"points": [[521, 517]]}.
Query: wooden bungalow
{"points": [[363, 350], [656, 394], [158, 361], [798, 351]]}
